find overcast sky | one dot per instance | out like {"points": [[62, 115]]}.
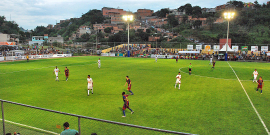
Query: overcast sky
{"points": [[31, 13]]}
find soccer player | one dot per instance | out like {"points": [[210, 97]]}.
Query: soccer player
{"points": [[27, 57], [210, 60], [56, 70], [255, 74], [66, 73], [156, 58], [90, 84], [126, 104], [178, 80], [129, 85], [260, 84], [99, 64], [176, 59], [214, 63], [190, 67]]}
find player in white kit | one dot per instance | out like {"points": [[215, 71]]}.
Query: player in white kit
{"points": [[56, 70], [211, 59], [178, 80], [156, 58], [255, 74], [99, 63], [90, 84]]}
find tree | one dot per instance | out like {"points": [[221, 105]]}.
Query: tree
{"points": [[2, 20], [172, 20], [162, 12], [197, 23], [85, 37], [238, 4], [257, 5], [93, 16], [185, 18], [210, 21], [108, 30], [188, 9], [197, 11]]}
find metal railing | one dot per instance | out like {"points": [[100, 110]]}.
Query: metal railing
{"points": [[30, 114]]}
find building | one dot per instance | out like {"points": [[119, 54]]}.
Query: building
{"points": [[57, 39], [220, 7], [39, 40], [4, 37], [209, 10], [50, 26], [7, 39], [107, 12], [84, 30], [142, 13], [176, 12]]}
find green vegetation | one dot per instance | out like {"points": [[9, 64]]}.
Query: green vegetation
{"points": [[209, 102]]}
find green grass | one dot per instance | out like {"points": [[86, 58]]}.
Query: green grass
{"points": [[209, 102]]}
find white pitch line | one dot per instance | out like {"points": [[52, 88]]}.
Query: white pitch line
{"points": [[214, 77], [47, 131], [251, 102]]}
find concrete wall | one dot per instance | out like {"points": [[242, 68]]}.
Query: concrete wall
{"points": [[56, 39], [4, 37]]}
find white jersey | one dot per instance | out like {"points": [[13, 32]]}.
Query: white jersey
{"points": [[99, 62], [90, 81], [56, 71], [255, 73], [178, 79]]}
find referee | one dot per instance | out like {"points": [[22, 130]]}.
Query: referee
{"points": [[190, 67]]}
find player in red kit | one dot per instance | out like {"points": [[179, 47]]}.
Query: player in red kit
{"points": [[128, 81], [126, 104], [66, 73], [260, 84], [176, 59]]}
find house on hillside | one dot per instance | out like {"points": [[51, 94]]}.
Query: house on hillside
{"points": [[39, 40]]}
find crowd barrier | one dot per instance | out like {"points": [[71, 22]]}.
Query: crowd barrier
{"points": [[34, 57]]}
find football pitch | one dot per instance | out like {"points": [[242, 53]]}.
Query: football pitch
{"points": [[210, 101]]}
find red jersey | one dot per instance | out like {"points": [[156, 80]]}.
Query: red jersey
{"points": [[66, 71]]}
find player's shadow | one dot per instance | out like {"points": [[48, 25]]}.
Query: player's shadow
{"points": [[121, 109]]}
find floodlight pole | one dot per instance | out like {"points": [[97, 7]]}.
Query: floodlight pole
{"points": [[226, 54], [128, 40]]}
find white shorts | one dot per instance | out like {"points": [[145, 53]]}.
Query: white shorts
{"points": [[89, 86], [178, 81], [255, 76], [56, 74], [99, 65]]}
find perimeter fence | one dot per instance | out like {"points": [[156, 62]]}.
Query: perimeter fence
{"points": [[31, 120]]}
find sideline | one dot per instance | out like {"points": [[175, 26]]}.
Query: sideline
{"points": [[46, 131], [251, 102]]}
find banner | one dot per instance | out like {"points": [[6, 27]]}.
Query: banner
{"points": [[198, 47], [7, 43], [216, 47], [207, 48], [244, 48], [189, 47], [254, 48], [264, 48], [235, 48]]}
